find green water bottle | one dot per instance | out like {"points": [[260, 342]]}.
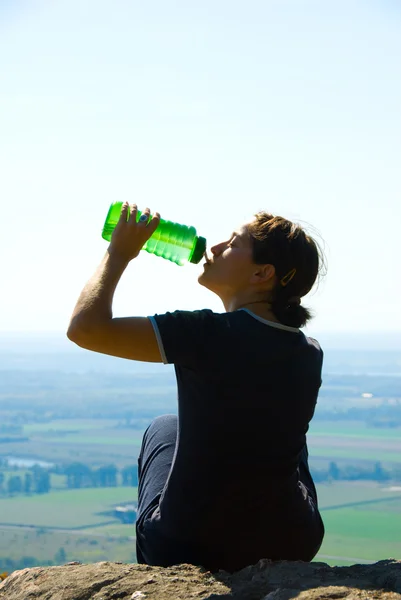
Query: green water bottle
{"points": [[171, 241]]}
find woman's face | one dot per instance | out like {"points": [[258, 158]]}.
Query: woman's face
{"points": [[230, 267]]}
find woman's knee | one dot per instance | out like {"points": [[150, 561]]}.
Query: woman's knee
{"points": [[162, 428], [160, 435], [164, 425], [163, 420]]}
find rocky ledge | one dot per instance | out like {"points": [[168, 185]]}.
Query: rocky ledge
{"points": [[264, 581]]}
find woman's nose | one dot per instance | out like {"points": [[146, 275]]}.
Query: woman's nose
{"points": [[216, 248]]}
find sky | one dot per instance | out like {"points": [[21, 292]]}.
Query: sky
{"points": [[206, 112]]}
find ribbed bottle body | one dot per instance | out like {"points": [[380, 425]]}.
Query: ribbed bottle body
{"points": [[172, 241]]}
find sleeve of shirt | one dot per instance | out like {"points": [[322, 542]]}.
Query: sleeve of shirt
{"points": [[185, 337]]}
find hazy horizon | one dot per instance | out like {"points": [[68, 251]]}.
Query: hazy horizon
{"points": [[369, 341], [348, 353]]}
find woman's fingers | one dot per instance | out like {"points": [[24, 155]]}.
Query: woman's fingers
{"points": [[133, 212], [154, 223], [124, 211], [129, 212]]}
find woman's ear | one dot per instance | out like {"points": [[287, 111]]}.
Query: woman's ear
{"points": [[263, 274]]}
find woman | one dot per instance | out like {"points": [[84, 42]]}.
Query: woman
{"points": [[227, 482]]}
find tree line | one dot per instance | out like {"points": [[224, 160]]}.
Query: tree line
{"points": [[335, 472], [37, 480], [8, 565]]}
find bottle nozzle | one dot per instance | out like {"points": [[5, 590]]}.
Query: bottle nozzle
{"points": [[199, 250]]}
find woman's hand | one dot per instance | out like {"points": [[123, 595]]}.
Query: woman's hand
{"points": [[129, 236]]}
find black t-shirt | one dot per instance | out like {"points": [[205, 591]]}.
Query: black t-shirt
{"points": [[247, 389]]}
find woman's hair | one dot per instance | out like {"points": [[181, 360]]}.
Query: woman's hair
{"points": [[297, 259]]}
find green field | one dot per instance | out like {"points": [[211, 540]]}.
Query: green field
{"points": [[356, 429], [65, 508], [83, 433], [101, 441], [362, 519], [347, 440], [335, 453], [94, 442], [362, 533], [327, 439], [80, 438], [368, 531], [63, 416], [318, 427], [115, 529], [61, 425], [340, 492], [85, 547]]}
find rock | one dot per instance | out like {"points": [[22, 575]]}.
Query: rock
{"points": [[265, 580]]}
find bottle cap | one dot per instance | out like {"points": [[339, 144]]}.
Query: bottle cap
{"points": [[198, 250]]}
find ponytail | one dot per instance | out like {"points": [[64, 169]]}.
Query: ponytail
{"points": [[297, 260]]}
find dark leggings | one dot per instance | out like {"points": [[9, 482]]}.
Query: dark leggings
{"points": [[154, 464]]}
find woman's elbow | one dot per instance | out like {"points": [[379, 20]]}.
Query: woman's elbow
{"points": [[88, 335], [76, 332]]}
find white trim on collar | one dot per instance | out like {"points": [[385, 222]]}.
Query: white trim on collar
{"points": [[271, 323]]}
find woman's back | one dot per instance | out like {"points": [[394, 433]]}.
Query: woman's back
{"points": [[247, 390]]}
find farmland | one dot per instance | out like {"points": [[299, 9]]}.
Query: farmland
{"points": [[79, 521], [62, 413]]}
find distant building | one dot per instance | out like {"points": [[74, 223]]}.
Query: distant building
{"points": [[126, 514]]}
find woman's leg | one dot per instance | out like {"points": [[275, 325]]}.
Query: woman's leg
{"points": [[317, 523], [305, 476], [154, 464]]}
